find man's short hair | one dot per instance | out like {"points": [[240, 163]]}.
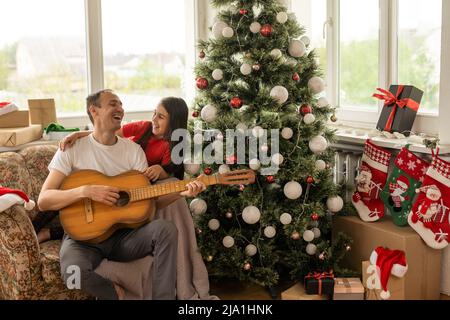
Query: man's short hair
{"points": [[94, 99]]}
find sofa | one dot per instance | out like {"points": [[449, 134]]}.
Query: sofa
{"points": [[29, 270]]}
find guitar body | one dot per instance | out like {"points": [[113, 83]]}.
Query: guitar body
{"points": [[94, 222]]}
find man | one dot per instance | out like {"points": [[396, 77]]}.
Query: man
{"points": [[103, 151]]}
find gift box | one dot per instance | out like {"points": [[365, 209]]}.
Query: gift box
{"points": [[401, 104], [372, 285], [319, 283], [42, 111], [20, 118], [11, 137], [297, 292], [348, 289], [422, 281]]}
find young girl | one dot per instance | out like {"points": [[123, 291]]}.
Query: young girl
{"points": [[155, 139]]}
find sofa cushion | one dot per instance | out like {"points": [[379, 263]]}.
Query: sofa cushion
{"points": [[37, 159], [50, 261]]}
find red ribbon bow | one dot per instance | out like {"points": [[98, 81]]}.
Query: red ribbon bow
{"points": [[319, 276], [390, 99]]}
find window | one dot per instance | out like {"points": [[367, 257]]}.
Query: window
{"points": [[144, 50], [43, 52]]}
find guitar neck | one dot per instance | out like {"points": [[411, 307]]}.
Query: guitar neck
{"points": [[154, 191]]}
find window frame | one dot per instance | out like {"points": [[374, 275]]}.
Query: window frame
{"points": [[388, 52]]}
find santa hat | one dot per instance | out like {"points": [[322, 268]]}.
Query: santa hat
{"points": [[9, 197], [388, 262]]}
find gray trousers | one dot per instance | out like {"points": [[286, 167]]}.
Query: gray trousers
{"points": [[158, 238]]}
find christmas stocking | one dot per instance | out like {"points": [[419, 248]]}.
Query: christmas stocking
{"points": [[408, 175], [430, 213], [388, 262], [370, 181], [10, 197]]}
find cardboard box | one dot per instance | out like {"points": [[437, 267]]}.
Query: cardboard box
{"points": [[42, 111], [348, 289], [20, 118], [297, 292], [372, 285], [11, 137], [422, 281]]}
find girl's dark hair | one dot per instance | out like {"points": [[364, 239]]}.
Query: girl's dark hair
{"points": [[178, 116]]}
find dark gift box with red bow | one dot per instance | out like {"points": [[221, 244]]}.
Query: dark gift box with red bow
{"points": [[401, 104], [319, 283]]}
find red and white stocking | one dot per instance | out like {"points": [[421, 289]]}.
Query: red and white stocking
{"points": [[370, 182], [429, 216]]}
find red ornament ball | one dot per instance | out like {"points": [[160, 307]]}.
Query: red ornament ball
{"points": [[208, 171], [270, 179], [305, 109], [195, 114], [243, 12], [202, 54], [202, 83], [236, 103], [266, 30], [310, 180], [296, 77], [314, 217]]}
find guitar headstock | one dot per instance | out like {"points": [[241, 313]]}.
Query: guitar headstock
{"points": [[236, 177]]}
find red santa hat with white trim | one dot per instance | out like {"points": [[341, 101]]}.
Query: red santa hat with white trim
{"points": [[388, 262], [10, 197]]}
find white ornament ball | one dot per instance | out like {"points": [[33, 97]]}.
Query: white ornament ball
{"points": [[241, 127], [198, 138], [198, 206], [270, 232], [311, 249], [251, 250], [320, 165], [316, 85], [255, 27], [316, 232], [308, 236], [228, 242], [246, 69], [285, 218], [257, 132], [276, 53], [217, 74], [224, 168], [217, 29], [280, 94], [335, 204], [214, 224], [287, 133], [227, 32], [191, 168], [251, 215], [297, 48], [277, 159], [309, 118], [209, 113], [305, 40], [323, 102], [282, 17], [255, 164], [293, 190], [318, 144]]}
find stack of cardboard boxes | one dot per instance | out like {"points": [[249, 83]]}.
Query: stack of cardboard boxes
{"points": [[24, 126]]}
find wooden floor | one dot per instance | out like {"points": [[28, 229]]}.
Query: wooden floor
{"points": [[237, 291]]}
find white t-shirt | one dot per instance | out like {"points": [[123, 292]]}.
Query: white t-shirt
{"points": [[88, 154]]}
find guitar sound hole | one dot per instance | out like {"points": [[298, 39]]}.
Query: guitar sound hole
{"points": [[123, 200]]}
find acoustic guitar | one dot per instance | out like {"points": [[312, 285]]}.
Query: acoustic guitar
{"points": [[94, 222]]}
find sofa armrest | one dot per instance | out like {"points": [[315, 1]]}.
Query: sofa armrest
{"points": [[20, 265]]}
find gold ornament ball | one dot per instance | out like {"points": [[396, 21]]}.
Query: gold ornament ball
{"points": [[229, 215], [199, 231], [209, 258], [248, 55], [348, 247], [295, 235], [247, 266], [333, 118]]}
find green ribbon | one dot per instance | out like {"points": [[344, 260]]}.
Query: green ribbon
{"points": [[55, 127]]}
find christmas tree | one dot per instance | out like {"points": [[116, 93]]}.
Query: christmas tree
{"points": [[259, 77]]}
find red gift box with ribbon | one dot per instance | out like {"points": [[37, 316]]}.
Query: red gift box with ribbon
{"points": [[401, 104], [319, 283]]}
